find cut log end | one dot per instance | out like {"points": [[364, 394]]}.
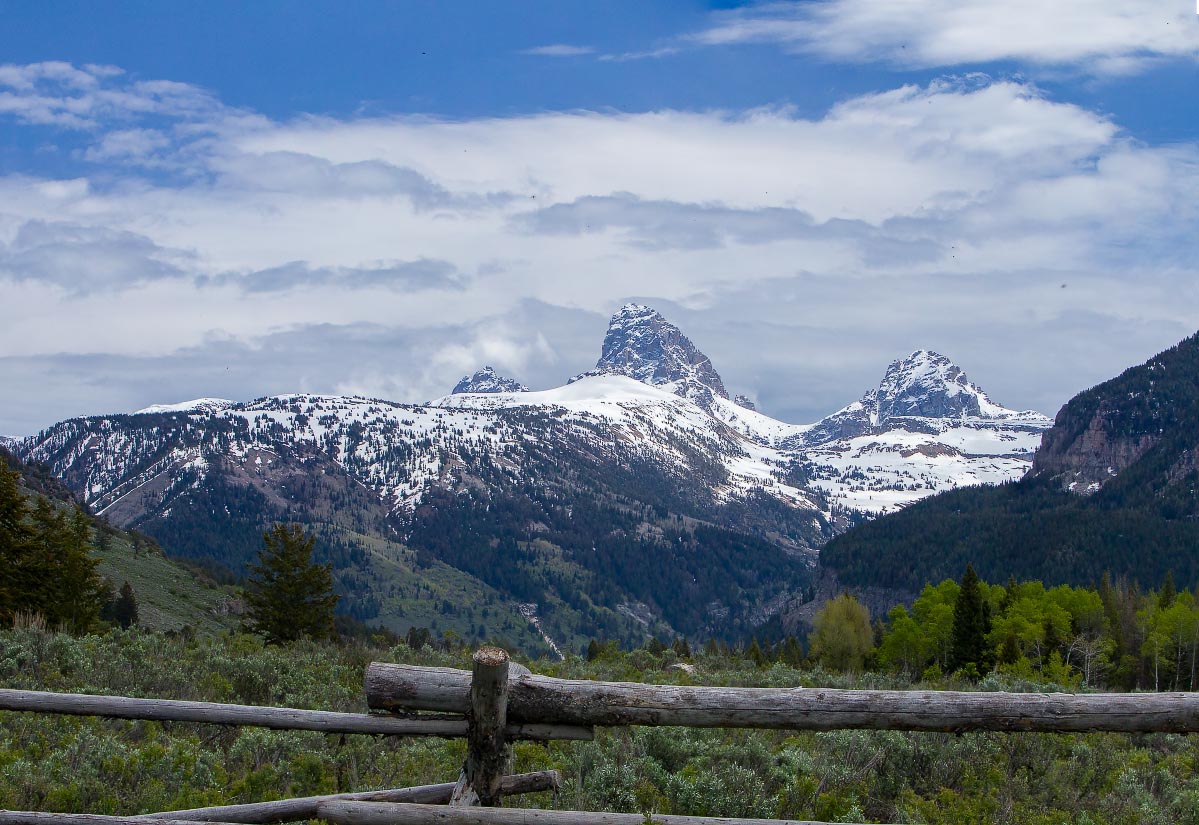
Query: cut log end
{"points": [[490, 656]]}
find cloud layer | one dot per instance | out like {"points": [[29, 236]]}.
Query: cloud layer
{"points": [[1113, 36], [970, 215]]}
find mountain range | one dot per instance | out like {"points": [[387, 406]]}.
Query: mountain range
{"points": [[636, 498]]}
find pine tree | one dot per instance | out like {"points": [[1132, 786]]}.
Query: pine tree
{"points": [[80, 589], [971, 624], [288, 595], [1168, 592], [14, 543], [125, 608], [792, 653]]}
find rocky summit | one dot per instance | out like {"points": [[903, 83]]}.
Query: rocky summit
{"points": [[925, 385], [489, 381], [643, 345]]}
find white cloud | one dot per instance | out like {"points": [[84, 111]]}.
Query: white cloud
{"points": [[559, 50], [1109, 36], [954, 210], [59, 94]]}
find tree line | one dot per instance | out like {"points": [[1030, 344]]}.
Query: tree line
{"points": [[1114, 635]]}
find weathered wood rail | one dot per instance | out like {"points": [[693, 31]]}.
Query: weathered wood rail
{"points": [[374, 813], [297, 810], [213, 713], [577, 702]]}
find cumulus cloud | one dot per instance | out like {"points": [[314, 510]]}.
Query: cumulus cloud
{"points": [[1115, 36], [82, 259], [802, 252], [59, 94]]}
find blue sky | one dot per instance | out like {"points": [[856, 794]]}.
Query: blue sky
{"points": [[234, 199]]}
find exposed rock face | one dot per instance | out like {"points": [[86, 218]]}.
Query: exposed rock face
{"points": [[1147, 416], [643, 345], [1084, 462], [744, 401], [488, 380]]}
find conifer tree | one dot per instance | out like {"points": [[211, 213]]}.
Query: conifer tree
{"points": [[79, 591], [125, 608], [1168, 592], [14, 543], [971, 624], [289, 596]]}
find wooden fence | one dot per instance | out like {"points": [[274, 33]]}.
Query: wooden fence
{"points": [[499, 701]]}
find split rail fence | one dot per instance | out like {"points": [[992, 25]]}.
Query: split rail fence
{"points": [[499, 701]]}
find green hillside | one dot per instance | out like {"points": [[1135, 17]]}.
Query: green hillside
{"points": [[169, 595]]}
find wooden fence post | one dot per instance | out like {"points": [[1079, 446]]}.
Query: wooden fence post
{"points": [[488, 753]]}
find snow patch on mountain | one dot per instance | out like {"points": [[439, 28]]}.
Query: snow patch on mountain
{"points": [[754, 425], [197, 405], [881, 472], [661, 420], [488, 380]]}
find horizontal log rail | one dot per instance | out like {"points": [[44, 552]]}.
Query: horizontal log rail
{"points": [[574, 702], [381, 813], [213, 713], [41, 818], [297, 810]]}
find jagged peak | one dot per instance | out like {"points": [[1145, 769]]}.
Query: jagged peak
{"points": [[641, 344], [927, 384], [487, 380], [923, 385]]}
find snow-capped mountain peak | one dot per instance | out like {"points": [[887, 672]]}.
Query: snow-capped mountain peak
{"points": [[487, 380], [643, 345], [926, 384], [197, 405]]}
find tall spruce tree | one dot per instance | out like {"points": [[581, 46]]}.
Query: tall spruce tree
{"points": [[289, 596], [125, 607], [14, 543], [971, 624]]}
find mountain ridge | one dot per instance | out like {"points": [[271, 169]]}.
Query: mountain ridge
{"points": [[578, 500]]}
